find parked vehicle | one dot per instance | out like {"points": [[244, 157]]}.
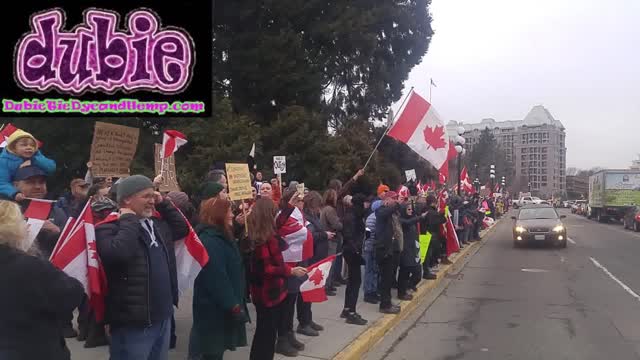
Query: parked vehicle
{"points": [[529, 200], [631, 218], [577, 206], [612, 192]]}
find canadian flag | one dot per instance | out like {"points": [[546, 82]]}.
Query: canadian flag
{"points": [[312, 290], [76, 254], [6, 131], [403, 192], [453, 244], [466, 181], [443, 173], [295, 234], [171, 141], [191, 257], [36, 213], [421, 128]]}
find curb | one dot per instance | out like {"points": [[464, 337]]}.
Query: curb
{"points": [[386, 323]]}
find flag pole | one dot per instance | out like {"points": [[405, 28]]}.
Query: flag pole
{"points": [[387, 129]]}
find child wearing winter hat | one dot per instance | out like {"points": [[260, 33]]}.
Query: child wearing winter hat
{"points": [[21, 150]]}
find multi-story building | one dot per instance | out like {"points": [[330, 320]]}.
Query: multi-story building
{"points": [[635, 164], [535, 145]]}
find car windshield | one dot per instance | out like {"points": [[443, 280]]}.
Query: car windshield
{"points": [[537, 213]]}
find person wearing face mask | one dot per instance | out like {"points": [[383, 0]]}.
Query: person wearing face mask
{"points": [[137, 253]]}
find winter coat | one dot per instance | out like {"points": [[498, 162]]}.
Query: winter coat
{"points": [[384, 230], [69, 205], [123, 249], [354, 230], [9, 165], [219, 287], [38, 301], [330, 221], [398, 239], [320, 238], [409, 255]]}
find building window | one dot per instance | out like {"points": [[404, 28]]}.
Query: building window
{"points": [[544, 178], [544, 171], [544, 156], [544, 164], [544, 184]]}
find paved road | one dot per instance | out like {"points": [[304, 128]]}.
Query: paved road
{"points": [[576, 303]]}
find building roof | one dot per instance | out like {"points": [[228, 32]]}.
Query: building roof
{"points": [[538, 115]]}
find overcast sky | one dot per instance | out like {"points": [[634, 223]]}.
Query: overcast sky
{"points": [[578, 58]]}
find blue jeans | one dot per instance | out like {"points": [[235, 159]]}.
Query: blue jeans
{"points": [[371, 273], [141, 343]]}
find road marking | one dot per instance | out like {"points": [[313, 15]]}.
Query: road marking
{"points": [[535, 270], [624, 286], [571, 241]]}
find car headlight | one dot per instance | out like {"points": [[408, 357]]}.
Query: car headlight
{"points": [[558, 228], [520, 229]]}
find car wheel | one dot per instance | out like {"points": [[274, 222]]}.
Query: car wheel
{"points": [[636, 227]]}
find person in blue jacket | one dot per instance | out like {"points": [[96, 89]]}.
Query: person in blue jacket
{"points": [[21, 150]]}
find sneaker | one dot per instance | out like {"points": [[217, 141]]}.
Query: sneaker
{"points": [[429, 276], [284, 347], [371, 299], [330, 292], [355, 319], [307, 330], [294, 342], [392, 309], [405, 297], [316, 327]]}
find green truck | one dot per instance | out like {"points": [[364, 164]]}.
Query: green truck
{"points": [[612, 192]]}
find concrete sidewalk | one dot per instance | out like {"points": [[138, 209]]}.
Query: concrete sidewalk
{"points": [[339, 339]]}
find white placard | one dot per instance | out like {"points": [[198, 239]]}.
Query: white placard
{"points": [[411, 175], [279, 165]]}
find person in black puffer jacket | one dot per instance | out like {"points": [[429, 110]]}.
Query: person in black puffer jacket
{"points": [[38, 299], [139, 261], [354, 231]]}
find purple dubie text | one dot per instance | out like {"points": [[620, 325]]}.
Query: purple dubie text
{"points": [[96, 56]]}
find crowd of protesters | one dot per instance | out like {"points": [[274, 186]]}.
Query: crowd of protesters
{"points": [[259, 251]]}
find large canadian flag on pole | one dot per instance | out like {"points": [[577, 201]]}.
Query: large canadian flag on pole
{"points": [[313, 290], [171, 141], [76, 254], [421, 128]]}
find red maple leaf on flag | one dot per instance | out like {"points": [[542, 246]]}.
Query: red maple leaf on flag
{"points": [[434, 137], [316, 277]]}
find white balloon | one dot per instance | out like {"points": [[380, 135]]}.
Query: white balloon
{"points": [[459, 149], [460, 130]]}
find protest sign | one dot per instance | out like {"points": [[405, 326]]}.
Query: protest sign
{"points": [[279, 165], [239, 181], [167, 170], [113, 149]]}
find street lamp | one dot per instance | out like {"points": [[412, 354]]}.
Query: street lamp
{"points": [[492, 175], [476, 184], [504, 183], [460, 141]]}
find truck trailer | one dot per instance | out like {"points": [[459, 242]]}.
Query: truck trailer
{"points": [[612, 192]]}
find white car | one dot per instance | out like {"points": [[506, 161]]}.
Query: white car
{"points": [[528, 200]]}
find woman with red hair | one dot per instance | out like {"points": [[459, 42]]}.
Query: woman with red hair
{"points": [[219, 305]]}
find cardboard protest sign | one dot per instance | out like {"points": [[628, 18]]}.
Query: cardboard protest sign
{"points": [[239, 181], [300, 189], [168, 169], [113, 149], [411, 175], [279, 165]]}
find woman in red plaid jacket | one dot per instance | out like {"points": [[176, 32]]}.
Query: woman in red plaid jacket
{"points": [[268, 277]]}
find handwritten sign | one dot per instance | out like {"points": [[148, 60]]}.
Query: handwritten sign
{"points": [[169, 176], [239, 181], [279, 165], [411, 175], [300, 189], [113, 148]]}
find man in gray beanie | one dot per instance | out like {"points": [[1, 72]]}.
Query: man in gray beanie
{"points": [[140, 264]]}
